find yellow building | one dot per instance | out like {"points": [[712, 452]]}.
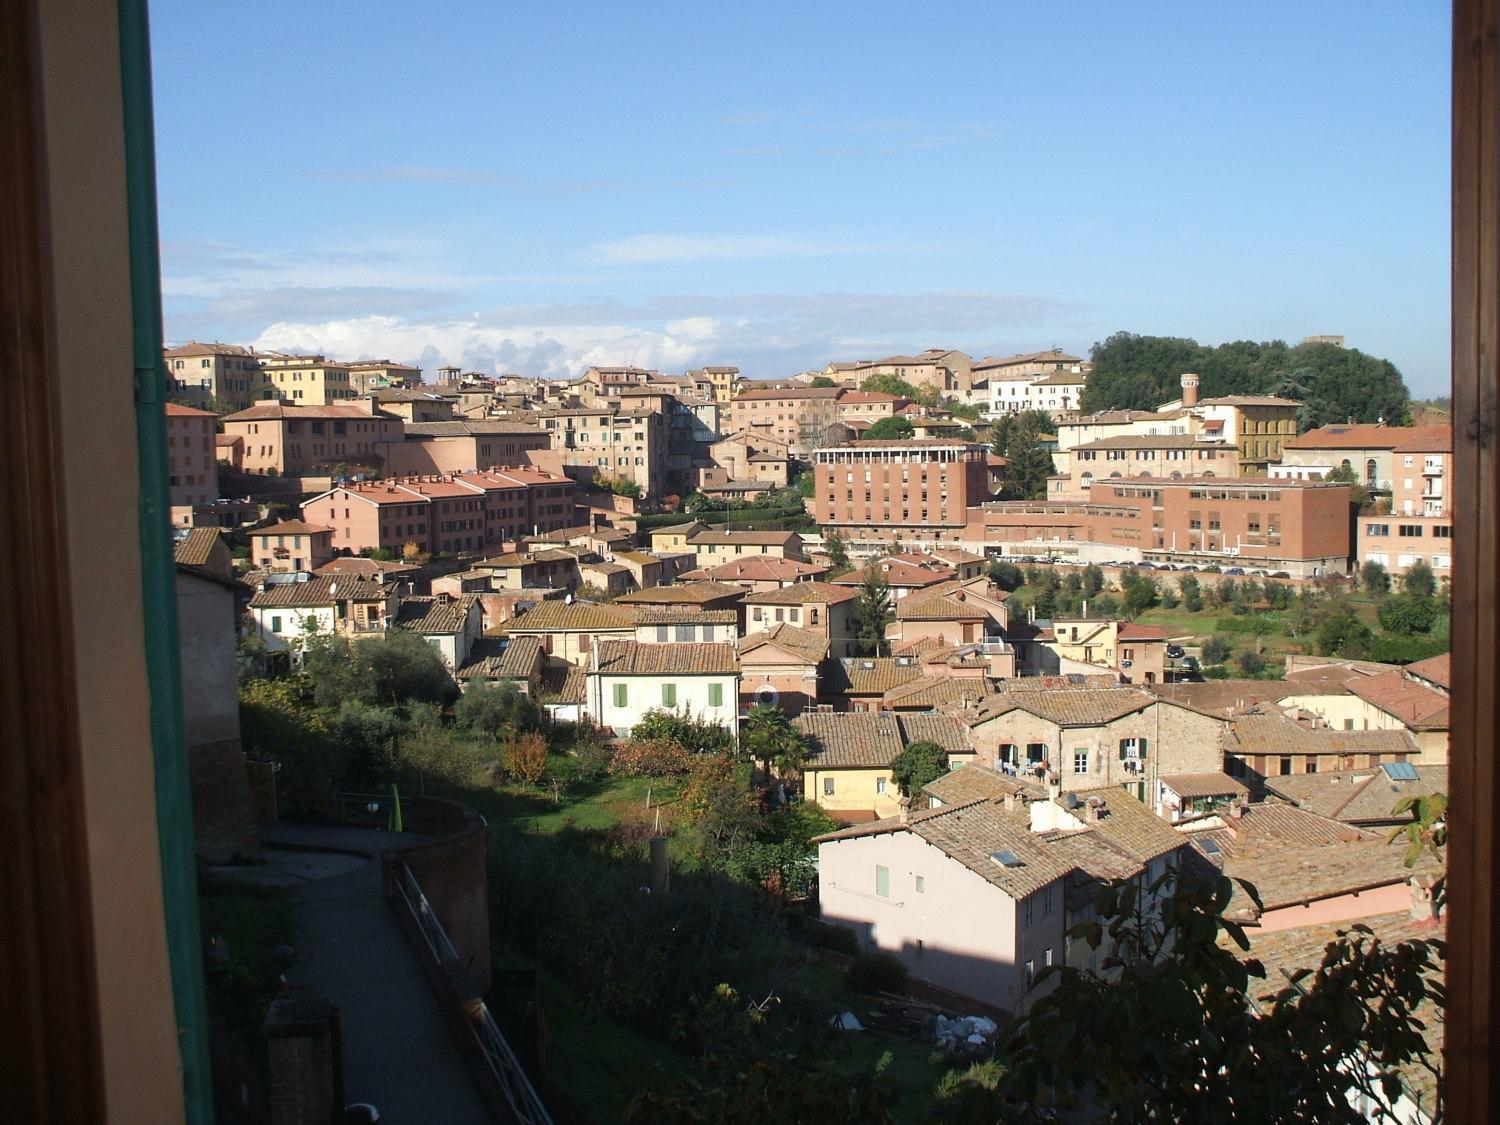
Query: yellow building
{"points": [[848, 767], [304, 380]]}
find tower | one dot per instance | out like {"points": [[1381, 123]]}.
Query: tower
{"points": [[1189, 389]]}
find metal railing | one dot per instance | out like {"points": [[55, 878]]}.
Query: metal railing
{"points": [[525, 1105]]}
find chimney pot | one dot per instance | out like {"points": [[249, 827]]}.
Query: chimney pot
{"points": [[905, 809]]}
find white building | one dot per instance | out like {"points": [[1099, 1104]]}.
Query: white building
{"points": [[626, 679]]}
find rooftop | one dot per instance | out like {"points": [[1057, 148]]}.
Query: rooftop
{"points": [[802, 593], [1363, 796], [1361, 435], [799, 642], [439, 615], [872, 739], [631, 658], [574, 617]]}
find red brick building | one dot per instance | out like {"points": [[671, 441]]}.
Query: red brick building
{"points": [[891, 490], [1303, 527], [459, 514]]}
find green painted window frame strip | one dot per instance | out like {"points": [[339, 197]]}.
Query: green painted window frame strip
{"points": [[174, 812]]}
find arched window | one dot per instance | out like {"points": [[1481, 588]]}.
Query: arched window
{"points": [[1370, 470]]}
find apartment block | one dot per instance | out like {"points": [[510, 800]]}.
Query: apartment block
{"points": [[1052, 381], [213, 373], [304, 380], [455, 514], [290, 440], [1420, 526], [941, 368], [191, 463], [802, 418], [614, 441], [724, 381], [886, 490]]}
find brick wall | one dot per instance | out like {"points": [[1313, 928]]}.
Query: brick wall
{"points": [[224, 814]]}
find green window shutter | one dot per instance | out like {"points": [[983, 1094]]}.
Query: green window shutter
{"points": [[276, 624], [620, 695], [716, 695], [669, 695], [883, 882]]}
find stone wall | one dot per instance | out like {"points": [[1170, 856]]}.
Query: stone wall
{"points": [[224, 815], [451, 871]]}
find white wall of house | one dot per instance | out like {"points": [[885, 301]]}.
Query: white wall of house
{"points": [[620, 701], [284, 628], [954, 929]]}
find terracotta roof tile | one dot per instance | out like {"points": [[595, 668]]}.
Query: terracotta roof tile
{"points": [[492, 659], [197, 546], [435, 615], [1363, 796], [630, 658], [576, 617], [872, 739], [800, 642], [802, 593], [870, 675], [319, 590]]}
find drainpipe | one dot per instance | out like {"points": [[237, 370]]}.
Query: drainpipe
{"points": [[174, 814]]}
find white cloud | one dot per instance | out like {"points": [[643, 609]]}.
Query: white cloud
{"points": [[765, 334]]}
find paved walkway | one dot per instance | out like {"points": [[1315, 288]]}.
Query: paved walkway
{"points": [[351, 950]]}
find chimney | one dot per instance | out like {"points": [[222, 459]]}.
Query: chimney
{"points": [[1189, 389], [1054, 786], [1236, 809], [1424, 907], [905, 812]]}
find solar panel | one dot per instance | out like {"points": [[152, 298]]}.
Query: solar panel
{"points": [[1210, 847], [1400, 771], [1006, 859]]}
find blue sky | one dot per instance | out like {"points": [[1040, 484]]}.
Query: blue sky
{"points": [[530, 187]]}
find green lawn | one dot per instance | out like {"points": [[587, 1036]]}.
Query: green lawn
{"points": [[592, 805]]}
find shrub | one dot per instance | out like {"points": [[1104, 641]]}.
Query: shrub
{"points": [[525, 756], [693, 735], [591, 758], [649, 757], [877, 972], [840, 939]]}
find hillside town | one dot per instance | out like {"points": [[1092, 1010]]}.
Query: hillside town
{"points": [[839, 566]]}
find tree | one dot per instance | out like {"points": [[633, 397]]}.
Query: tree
{"points": [[1215, 650], [770, 739], [1407, 614], [1320, 1047], [1359, 495], [495, 709], [370, 735], [1016, 437], [1419, 580], [1093, 580], [821, 381], [838, 550], [920, 764], [889, 385], [329, 663], [805, 484], [1251, 663], [1192, 594], [621, 486], [1006, 575], [1374, 579], [402, 667], [1343, 634], [1132, 372], [873, 614], [894, 428], [1140, 593]]}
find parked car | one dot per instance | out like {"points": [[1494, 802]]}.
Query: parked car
{"points": [[1234, 570], [1281, 574], [1259, 573], [1175, 652], [1190, 567]]}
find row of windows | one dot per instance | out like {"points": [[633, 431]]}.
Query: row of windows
{"points": [[621, 695]]}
